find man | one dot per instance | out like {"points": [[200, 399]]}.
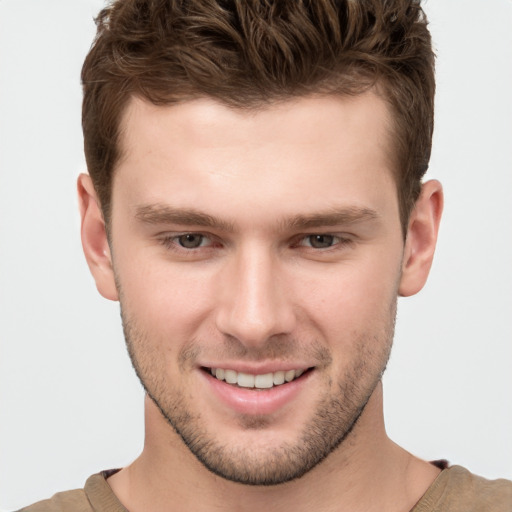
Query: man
{"points": [[254, 201]]}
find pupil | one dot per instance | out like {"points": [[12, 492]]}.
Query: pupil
{"points": [[190, 241], [321, 241]]}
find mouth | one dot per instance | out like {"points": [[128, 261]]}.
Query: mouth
{"points": [[261, 381]]}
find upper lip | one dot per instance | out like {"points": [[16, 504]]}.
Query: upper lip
{"points": [[258, 369]]}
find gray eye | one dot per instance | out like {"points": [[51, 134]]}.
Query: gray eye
{"points": [[190, 240], [321, 241]]}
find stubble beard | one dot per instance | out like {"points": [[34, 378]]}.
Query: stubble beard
{"points": [[336, 413]]}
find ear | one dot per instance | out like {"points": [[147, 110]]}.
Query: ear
{"points": [[420, 242], [94, 239]]}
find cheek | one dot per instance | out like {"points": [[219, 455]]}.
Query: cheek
{"points": [[352, 299], [163, 297], [162, 312]]}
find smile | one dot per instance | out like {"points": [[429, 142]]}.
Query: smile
{"points": [[263, 381]]}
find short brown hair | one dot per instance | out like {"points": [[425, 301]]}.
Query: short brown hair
{"points": [[249, 53]]}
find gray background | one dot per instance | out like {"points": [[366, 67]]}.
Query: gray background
{"points": [[69, 402]]}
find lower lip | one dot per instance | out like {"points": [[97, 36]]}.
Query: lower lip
{"points": [[256, 401]]}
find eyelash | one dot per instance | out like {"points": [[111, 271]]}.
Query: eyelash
{"points": [[338, 241], [171, 242]]}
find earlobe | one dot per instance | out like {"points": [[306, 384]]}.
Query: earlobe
{"points": [[421, 238], [94, 239]]}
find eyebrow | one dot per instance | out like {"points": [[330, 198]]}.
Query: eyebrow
{"points": [[164, 214], [334, 217]]}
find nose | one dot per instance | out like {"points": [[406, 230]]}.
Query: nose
{"points": [[254, 303]]}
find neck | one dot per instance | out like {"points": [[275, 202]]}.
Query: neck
{"points": [[166, 476]]}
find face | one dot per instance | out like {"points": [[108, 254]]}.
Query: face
{"points": [[257, 257]]}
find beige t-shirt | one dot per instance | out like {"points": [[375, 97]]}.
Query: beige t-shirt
{"points": [[454, 490]]}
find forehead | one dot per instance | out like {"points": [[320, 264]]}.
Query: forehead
{"points": [[312, 150]]}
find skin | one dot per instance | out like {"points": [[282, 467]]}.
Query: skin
{"points": [[258, 294]]}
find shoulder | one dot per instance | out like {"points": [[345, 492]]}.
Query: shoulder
{"points": [[96, 496], [75, 501], [458, 490]]}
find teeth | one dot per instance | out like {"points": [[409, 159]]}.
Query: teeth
{"points": [[264, 381], [231, 376], [245, 380], [289, 375], [278, 378]]}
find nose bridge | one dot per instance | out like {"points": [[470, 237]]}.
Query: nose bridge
{"points": [[254, 305]]}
